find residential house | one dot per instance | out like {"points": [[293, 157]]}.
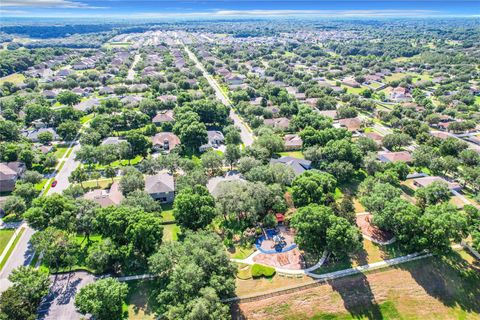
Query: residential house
{"points": [[292, 142], [400, 156], [9, 173], [165, 141], [214, 185], [163, 117], [105, 198], [113, 140], [32, 134], [161, 187], [351, 124], [299, 166], [426, 181], [282, 123]]}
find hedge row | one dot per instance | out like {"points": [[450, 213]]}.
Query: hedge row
{"points": [[262, 271]]}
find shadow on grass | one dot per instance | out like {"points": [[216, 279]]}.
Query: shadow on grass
{"points": [[450, 279]]}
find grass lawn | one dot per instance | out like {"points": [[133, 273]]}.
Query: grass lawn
{"points": [[370, 253], [430, 288], [15, 78], [5, 235], [170, 232], [100, 183], [167, 213], [9, 252], [295, 154], [137, 305], [86, 118], [60, 152], [120, 163], [39, 186], [239, 252]]}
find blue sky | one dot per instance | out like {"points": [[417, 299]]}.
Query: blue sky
{"points": [[208, 8]]}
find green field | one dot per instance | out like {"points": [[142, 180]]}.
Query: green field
{"points": [[15, 78]]}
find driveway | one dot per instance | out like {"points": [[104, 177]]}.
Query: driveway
{"points": [[59, 303]]}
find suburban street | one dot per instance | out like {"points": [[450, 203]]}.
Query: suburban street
{"points": [[131, 71], [21, 255], [245, 132], [62, 175]]}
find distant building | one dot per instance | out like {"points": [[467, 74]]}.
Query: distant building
{"points": [[163, 117], [351, 124], [113, 140], [215, 139], [282, 123], [32, 134], [426, 181], [214, 184], [401, 156], [292, 142]]}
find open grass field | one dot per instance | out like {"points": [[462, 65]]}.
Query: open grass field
{"points": [[15, 78], [239, 252], [5, 236], [431, 288]]}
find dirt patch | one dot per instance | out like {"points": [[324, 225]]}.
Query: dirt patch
{"points": [[287, 260], [370, 230]]}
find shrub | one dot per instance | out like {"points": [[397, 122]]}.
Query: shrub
{"points": [[262, 271]]}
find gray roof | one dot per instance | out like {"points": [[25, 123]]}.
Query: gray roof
{"points": [[298, 165], [159, 183]]}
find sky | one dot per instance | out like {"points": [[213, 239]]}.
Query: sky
{"points": [[131, 9]]}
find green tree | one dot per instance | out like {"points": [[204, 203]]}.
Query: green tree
{"points": [[68, 98], [103, 299], [21, 300], [232, 154], [190, 286], [141, 199], [212, 161], [318, 229], [194, 208], [313, 187], [139, 143], [131, 180], [68, 130], [45, 137], [58, 247], [432, 194]]}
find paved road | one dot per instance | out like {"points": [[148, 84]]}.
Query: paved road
{"points": [[62, 176], [131, 71], [21, 255], [245, 132], [59, 303]]}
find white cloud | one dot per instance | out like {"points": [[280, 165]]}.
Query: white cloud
{"points": [[45, 4]]}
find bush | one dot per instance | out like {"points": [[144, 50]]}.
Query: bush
{"points": [[262, 271]]}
